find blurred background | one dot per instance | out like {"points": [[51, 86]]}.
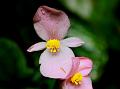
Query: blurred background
{"points": [[97, 22]]}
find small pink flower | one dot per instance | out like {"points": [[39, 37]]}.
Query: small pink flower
{"points": [[52, 25], [79, 77]]}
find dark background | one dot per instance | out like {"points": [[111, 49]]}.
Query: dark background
{"points": [[97, 22]]}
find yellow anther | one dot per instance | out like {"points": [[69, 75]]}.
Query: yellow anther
{"points": [[76, 78], [53, 45]]}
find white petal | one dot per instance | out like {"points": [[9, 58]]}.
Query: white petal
{"points": [[72, 42], [37, 47], [56, 66]]}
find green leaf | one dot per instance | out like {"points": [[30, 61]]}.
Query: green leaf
{"points": [[50, 83], [94, 47], [37, 76], [105, 23], [82, 8], [103, 10], [12, 61]]}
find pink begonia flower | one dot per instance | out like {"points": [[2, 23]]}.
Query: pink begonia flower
{"points": [[79, 77], [52, 25]]}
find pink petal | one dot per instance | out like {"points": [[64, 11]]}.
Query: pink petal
{"points": [[75, 65], [86, 84], [37, 47], [50, 23], [80, 64], [72, 42], [56, 66], [85, 66], [65, 84]]}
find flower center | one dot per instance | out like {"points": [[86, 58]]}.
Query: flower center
{"points": [[53, 45], [76, 78]]}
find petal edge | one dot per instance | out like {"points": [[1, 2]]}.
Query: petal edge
{"points": [[72, 42], [36, 47]]}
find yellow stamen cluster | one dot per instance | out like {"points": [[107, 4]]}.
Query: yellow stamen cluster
{"points": [[76, 78], [53, 45]]}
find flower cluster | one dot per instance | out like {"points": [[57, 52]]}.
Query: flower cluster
{"points": [[58, 60]]}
